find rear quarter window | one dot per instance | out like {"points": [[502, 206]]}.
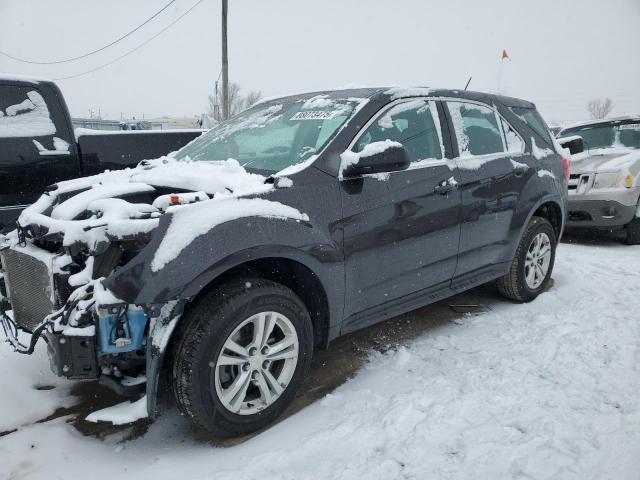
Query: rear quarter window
{"points": [[531, 117]]}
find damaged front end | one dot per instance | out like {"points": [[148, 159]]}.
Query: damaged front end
{"points": [[53, 267]]}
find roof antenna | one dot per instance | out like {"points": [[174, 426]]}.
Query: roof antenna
{"points": [[468, 82]]}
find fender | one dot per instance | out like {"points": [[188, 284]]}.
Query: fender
{"points": [[225, 246], [324, 260], [548, 198], [160, 332]]}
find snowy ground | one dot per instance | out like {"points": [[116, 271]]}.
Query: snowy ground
{"points": [[544, 390]]}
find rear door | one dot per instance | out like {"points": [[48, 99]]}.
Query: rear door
{"points": [[402, 232], [37, 147], [493, 171]]}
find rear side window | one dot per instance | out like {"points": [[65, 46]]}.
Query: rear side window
{"points": [[24, 113], [413, 123], [531, 117], [477, 129]]}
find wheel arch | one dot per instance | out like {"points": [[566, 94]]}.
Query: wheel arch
{"points": [[552, 211], [294, 274], [284, 265], [316, 282], [548, 208]]}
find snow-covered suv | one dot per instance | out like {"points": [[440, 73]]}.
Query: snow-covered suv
{"points": [[334, 210], [604, 184]]}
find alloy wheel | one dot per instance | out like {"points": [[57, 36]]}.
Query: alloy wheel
{"points": [[537, 261], [256, 363]]}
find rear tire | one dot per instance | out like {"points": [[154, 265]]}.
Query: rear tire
{"points": [[231, 376], [633, 231], [532, 263]]}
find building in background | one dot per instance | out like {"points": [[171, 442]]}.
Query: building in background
{"points": [[160, 123]]}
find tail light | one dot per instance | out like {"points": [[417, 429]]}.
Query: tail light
{"points": [[566, 163]]}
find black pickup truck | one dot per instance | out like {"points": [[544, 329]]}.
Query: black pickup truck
{"points": [[38, 146]]}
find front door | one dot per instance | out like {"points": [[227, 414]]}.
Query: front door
{"points": [[401, 228]]}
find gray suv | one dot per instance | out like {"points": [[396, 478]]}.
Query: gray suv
{"points": [[339, 209]]}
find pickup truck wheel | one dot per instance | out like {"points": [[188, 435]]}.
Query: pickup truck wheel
{"points": [[243, 353], [633, 231], [532, 264]]}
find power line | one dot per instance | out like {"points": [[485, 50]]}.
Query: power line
{"points": [[66, 60], [133, 49]]}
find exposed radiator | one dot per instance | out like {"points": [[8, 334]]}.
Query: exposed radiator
{"points": [[28, 281]]}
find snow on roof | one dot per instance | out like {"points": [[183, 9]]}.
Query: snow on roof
{"points": [[395, 92], [620, 118], [22, 78], [403, 92], [333, 93]]}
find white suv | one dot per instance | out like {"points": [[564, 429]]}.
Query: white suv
{"points": [[604, 183]]}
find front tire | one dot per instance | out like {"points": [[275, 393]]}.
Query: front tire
{"points": [[532, 263], [244, 351], [633, 231]]}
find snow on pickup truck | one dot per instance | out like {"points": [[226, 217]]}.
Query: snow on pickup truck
{"points": [[38, 146], [604, 182]]}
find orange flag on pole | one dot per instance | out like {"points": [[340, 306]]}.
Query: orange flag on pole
{"points": [[505, 55]]}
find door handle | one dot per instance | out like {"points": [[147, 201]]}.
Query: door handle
{"points": [[519, 168], [445, 186], [519, 171]]}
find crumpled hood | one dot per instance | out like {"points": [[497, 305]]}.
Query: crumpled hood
{"points": [[96, 210], [606, 160]]}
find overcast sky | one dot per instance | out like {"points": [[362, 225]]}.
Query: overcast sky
{"points": [[562, 53]]}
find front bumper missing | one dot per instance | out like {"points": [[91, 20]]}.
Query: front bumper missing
{"points": [[71, 332], [72, 356]]}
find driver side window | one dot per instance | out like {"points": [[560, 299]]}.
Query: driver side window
{"points": [[413, 124]]}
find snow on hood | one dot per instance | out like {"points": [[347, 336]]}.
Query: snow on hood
{"points": [[622, 160], [109, 217]]}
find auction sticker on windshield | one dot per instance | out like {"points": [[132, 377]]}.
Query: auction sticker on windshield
{"points": [[314, 115], [630, 126]]}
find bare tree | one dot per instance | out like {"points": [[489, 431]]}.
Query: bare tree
{"points": [[252, 98], [600, 107], [237, 101]]}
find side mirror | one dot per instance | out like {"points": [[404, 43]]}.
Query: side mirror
{"points": [[376, 157], [573, 143]]}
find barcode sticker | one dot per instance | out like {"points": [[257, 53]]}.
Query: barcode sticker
{"points": [[314, 115]]}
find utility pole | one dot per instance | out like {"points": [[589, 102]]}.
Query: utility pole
{"points": [[225, 62], [216, 104]]}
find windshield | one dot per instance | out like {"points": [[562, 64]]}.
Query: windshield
{"points": [[607, 136], [272, 137]]}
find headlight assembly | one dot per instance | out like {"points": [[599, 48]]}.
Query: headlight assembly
{"points": [[612, 180]]}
